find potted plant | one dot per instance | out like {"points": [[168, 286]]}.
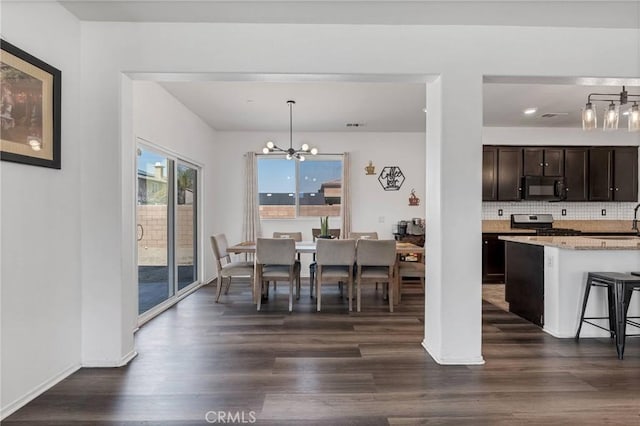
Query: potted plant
{"points": [[324, 227]]}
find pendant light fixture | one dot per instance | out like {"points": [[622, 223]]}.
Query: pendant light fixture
{"points": [[612, 112], [297, 154]]}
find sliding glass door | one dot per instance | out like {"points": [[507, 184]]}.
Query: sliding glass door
{"points": [[166, 227], [186, 215]]}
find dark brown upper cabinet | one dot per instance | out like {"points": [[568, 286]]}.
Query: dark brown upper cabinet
{"points": [[625, 174], [576, 173], [489, 173], [543, 161], [509, 173], [613, 174]]}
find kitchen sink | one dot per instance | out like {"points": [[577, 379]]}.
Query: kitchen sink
{"points": [[613, 237]]}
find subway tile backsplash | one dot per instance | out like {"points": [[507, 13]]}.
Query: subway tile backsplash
{"points": [[575, 211]]}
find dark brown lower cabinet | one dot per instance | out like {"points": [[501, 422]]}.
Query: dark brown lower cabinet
{"points": [[524, 281], [492, 259]]}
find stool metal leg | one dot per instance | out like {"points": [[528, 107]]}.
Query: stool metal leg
{"points": [[584, 305], [611, 302], [621, 320]]}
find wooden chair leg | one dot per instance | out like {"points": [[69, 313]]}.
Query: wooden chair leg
{"points": [[291, 294], [261, 283], [226, 290], [219, 289], [358, 289], [390, 294], [318, 292]]}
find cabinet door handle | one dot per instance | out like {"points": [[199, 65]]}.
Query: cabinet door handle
{"points": [[617, 189], [546, 164], [486, 242], [541, 164], [566, 189]]}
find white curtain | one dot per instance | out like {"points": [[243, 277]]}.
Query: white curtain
{"points": [[251, 222], [345, 213]]}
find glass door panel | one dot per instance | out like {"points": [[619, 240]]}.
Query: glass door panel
{"points": [[155, 276], [186, 230]]}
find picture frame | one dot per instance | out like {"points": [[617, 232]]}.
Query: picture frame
{"points": [[30, 109]]}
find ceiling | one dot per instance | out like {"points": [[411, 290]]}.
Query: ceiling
{"points": [[323, 106], [566, 13], [320, 106]]}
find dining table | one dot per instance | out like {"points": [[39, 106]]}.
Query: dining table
{"points": [[402, 249]]}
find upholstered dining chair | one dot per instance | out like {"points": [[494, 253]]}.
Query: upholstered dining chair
{"points": [[334, 260], [363, 235], [295, 236], [226, 267], [276, 261], [315, 233], [375, 260]]}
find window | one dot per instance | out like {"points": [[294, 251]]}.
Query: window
{"points": [[289, 189]]}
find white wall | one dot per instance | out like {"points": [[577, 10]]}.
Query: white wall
{"points": [[40, 207], [370, 203], [459, 55], [536, 136], [161, 119]]}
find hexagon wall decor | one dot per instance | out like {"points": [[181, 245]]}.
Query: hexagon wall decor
{"points": [[391, 178]]}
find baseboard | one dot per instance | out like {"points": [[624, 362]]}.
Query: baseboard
{"points": [[453, 361], [14, 406], [97, 363]]}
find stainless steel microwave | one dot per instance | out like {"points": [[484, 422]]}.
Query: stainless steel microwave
{"points": [[543, 188]]}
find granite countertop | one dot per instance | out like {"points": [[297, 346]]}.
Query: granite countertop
{"points": [[601, 226], [580, 243]]}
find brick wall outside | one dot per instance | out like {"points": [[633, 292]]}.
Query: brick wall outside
{"points": [[289, 212], [152, 248]]}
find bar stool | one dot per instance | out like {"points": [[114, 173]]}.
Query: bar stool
{"points": [[619, 287]]}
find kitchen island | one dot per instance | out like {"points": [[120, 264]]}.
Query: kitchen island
{"points": [[545, 278]]}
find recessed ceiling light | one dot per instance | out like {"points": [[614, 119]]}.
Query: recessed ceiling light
{"points": [[530, 111]]}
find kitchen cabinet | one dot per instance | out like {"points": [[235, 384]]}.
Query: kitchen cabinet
{"points": [[576, 173], [489, 173], [543, 161], [625, 174], [509, 173], [492, 259], [613, 174]]}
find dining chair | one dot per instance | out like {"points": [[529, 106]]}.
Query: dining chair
{"points": [[410, 270], [295, 236], [315, 233], [334, 260], [276, 260], [375, 260], [226, 267], [363, 235]]}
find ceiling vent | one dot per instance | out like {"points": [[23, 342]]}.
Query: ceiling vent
{"points": [[554, 114], [355, 124]]}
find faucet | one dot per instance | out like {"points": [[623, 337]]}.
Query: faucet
{"points": [[634, 224]]}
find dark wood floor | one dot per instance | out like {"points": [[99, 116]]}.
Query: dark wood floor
{"points": [[332, 368]]}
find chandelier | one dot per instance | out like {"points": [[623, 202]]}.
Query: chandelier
{"points": [[298, 154], [612, 113]]}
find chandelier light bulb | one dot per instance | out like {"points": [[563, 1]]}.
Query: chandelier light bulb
{"points": [[634, 118], [289, 157], [611, 118], [270, 145], [589, 119], [265, 150], [301, 157], [304, 147], [314, 150]]}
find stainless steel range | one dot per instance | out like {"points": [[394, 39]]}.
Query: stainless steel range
{"points": [[541, 223]]}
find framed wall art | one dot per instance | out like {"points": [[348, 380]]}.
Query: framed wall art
{"points": [[30, 109]]}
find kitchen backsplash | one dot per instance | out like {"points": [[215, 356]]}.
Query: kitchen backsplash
{"points": [[574, 211]]}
